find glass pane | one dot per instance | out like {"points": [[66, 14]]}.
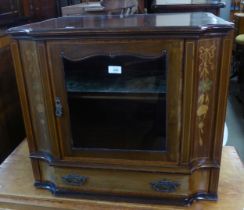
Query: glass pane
{"points": [[117, 102]]}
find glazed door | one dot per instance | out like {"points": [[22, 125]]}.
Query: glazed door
{"points": [[115, 101]]}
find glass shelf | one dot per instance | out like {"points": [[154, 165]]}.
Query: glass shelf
{"points": [[143, 85]]}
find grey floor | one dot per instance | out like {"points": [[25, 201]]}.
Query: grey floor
{"points": [[235, 120]]}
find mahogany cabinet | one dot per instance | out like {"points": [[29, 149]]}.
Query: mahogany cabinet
{"points": [[125, 108]]}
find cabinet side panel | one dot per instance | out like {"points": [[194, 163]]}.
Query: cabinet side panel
{"points": [[23, 95], [25, 105], [49, 101], [221, 107], [204, 102], [36, 98]]}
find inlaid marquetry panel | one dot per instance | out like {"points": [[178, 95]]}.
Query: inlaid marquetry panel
{"points": [[206, 72]]}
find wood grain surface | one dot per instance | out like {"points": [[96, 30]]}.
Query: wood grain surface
{"points": [[17, 190]]}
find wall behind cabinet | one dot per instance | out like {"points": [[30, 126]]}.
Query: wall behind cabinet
{"points": [[39, 9], [10, 11]]}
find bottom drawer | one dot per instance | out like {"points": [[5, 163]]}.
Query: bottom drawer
{"points": [[116, 182], [125, 185]]}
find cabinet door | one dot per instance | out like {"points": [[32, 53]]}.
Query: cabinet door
{"points": [[118, 102]]}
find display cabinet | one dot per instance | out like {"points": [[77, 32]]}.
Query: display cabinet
{"points": [[126, 108]]}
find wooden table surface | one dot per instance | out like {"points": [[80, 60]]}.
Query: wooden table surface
{"points": [[17, 190]]}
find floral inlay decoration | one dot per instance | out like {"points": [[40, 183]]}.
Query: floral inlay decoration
{"points": [[205, 67]]}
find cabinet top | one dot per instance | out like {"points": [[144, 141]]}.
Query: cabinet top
{"points": [[142, 24]]}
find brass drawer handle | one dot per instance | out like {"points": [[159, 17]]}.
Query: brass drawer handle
{"points": [[165, 186], [74, 180]]}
